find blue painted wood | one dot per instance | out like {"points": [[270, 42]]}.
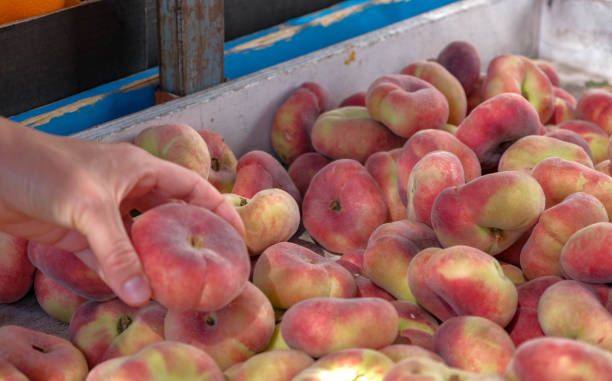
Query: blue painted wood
{"points": [[191, 35], [120, 98]]}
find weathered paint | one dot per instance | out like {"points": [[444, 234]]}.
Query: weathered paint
{"points": [[191, 33]]}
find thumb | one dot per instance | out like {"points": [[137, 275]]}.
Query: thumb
{"points": [[117, 260]]}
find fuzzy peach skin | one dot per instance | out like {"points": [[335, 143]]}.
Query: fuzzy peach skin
{"points": [[550, 71], [67, 269], [472, 283], [367, 289], [194, 259], [524, 325], [474, 95], [474, 344], [113, 329], [319, 326], [178, 143], [223, 162], [604, 167], [399, 352], [512, 254], [343, 206], [352, 261], [595, 105], [41, 357], [553, 358], [271, 216], [383, 168], [528, 151], [355, 99], [516, 74], [570, 137], [270, 366], [10, 373], [288, 273], [426, 141], [447, 83], [514, 273], [594, 135], [16, 270], [348, 365], [587, 254], [406, 104], [495, 124], [559, 178], [56, 300], [163, 361], [565, 106], [390, 249], [424, 295], [350, 133], [425, 369], [572, 310], [541, 253], [258, 170], [462, 60], [416, 326], [304, 167], [489, 213], [229, 335], [432, 174], [290, 133]]}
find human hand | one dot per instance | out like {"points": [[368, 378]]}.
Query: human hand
{"points": [[74, 194]]}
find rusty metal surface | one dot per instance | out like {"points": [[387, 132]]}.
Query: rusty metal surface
{"points": [[191, 35]]}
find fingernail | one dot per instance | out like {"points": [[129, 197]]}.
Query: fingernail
{"points": [[136, 291]]}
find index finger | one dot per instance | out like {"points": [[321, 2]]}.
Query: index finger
{"points": [[180, 183]]}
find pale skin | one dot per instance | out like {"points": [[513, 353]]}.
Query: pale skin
{"points": [[74, 194]]}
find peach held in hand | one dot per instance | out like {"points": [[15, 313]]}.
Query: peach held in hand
{"points": [[193, 258], [319, 326], [406, 104], [489, 213], [343, 206]]}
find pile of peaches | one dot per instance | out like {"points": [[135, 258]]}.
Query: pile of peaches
{"points": [[443, 224]]}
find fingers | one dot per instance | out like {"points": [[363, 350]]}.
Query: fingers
{"points": [[180, 183], [115, 255]]}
